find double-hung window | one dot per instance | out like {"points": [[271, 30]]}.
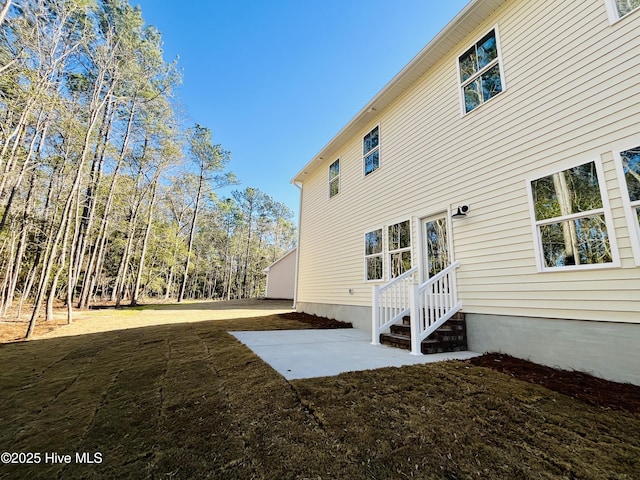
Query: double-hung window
{"points": [[371, 151], [481, 76], [373, 255], [619, 8], [399, 248], [572, 228], [630, 163], [631, 169], [397, 251], [334, 178]]}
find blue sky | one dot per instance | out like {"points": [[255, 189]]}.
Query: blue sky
{"points": [[275, 80]]}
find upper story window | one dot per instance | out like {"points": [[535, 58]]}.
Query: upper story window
{"points": [[399, 248], [371, 151], [373, 255], [572, 229], [619, 8], [480, 72], [334, 178]]}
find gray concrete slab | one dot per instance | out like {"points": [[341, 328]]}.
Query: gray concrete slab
{"points": [[322, 353]]}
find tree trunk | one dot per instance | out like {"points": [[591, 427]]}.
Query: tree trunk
{"points": [[22, 245], [123, 268], [119, 287], [191, 235], [70, 274], [65, 212], [4, 10], [89, 208], [5, 279], [41, 130], [136, 288], [97, 256]]}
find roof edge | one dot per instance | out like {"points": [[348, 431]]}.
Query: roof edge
{"points": [[428, 55]]}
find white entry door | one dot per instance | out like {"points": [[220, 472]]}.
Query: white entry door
{"points": [[435, 245]]}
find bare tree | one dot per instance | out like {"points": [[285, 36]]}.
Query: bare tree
{"points": [[4, 10], [210, 160]]}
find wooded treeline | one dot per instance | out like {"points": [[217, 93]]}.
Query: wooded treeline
{"points": [[105, 195]]}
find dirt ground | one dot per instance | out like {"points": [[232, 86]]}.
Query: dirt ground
{"points": [[13, 331]]}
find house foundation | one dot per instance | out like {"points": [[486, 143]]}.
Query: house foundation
{"points": [[607, 350], [604, 349]]}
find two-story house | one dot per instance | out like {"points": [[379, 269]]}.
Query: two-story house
{"points": [[497, 174]]}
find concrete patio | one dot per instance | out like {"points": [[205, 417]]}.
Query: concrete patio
{"points": [[320, 353]]}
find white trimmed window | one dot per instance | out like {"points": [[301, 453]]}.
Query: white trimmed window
{"points": [[399, 248], [630, 163], [572, 227], [373, 255], [334, 178], [481, 76], [371, 151], [619, 8]]}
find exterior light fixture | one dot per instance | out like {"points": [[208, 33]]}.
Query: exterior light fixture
{"points": [[462, 212]]}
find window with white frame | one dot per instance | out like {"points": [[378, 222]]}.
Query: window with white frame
{"points": [[572, 229], [334, 178], [399, 248], [481, 77], [371, 151], [619, 8], [373, 255], [631, 170]]}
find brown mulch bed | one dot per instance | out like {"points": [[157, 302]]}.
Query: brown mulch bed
{"points": [[581, 386], [317, 322]]}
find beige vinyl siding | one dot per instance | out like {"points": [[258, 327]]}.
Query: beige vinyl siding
{"points": [[572, 83], [281, 277]]}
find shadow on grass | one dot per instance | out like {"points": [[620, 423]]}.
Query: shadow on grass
{"points": [[263, 304], [149, 402], [188, 401]]}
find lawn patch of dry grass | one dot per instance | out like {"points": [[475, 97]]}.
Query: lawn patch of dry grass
{"points": [[167, 400], [451, 420]]}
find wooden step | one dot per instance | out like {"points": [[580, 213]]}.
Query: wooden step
{"points": [[450, 337], [431, 347], [401, 330], [398, 341]]}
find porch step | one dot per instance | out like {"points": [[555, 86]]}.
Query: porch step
{"points": [[396, 340], [450, 337]]}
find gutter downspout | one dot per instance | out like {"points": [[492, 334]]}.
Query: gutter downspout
{"points": [[295, 282]]}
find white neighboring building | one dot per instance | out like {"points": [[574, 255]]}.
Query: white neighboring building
{"points": [[281, 276]]}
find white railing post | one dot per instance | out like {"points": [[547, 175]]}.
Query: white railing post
{"points": [[454, 287], [390, 302], [415, 320], [437, 298], [375, 316]]}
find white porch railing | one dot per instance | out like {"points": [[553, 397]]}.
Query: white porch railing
{"points": [[429, 304], [433, 303], [391, 302]]}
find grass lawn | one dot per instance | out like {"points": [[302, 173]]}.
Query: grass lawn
{"points": [[180, 398]]}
